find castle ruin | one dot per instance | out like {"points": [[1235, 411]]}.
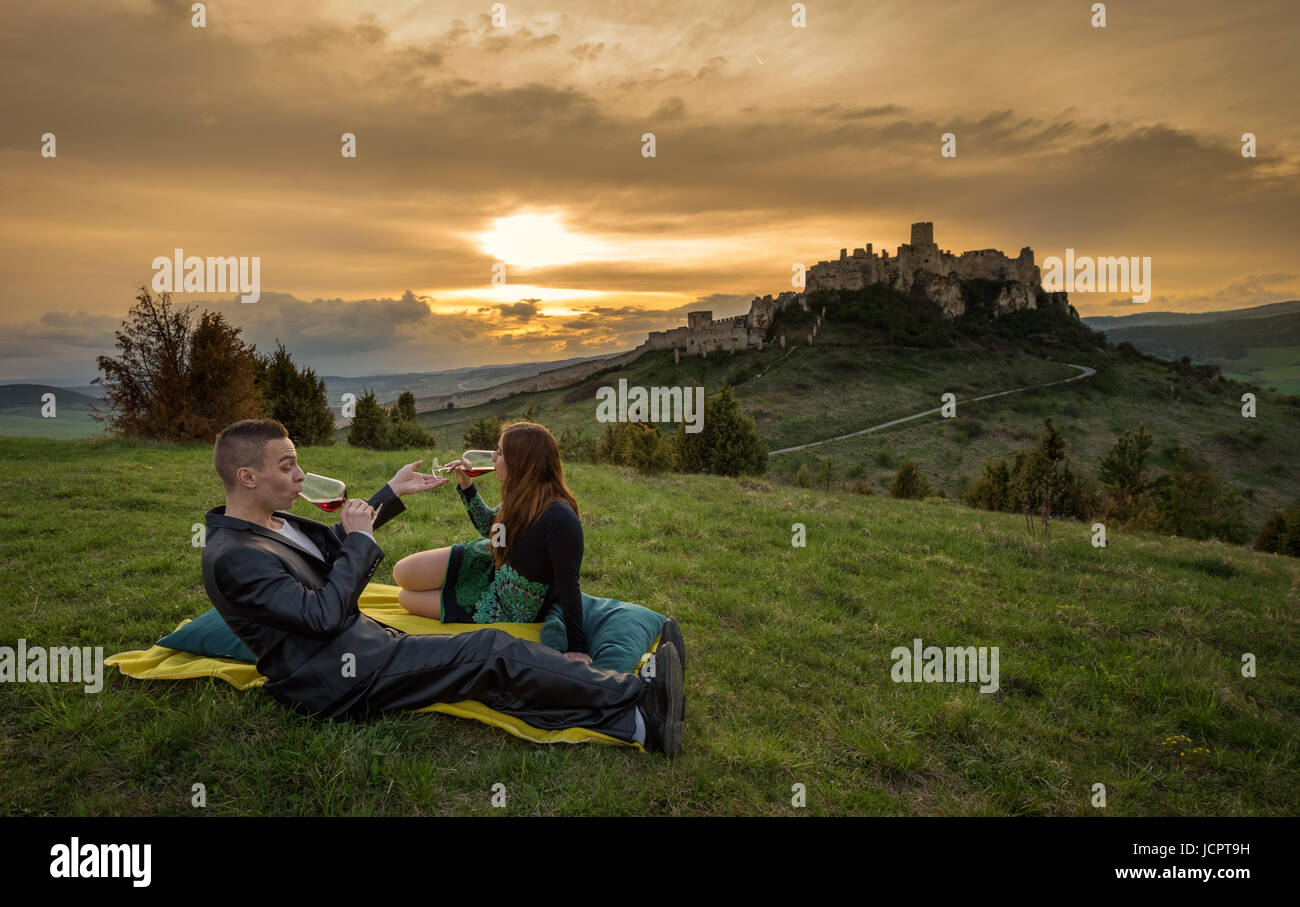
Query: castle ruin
{"points": [[919, 267]]}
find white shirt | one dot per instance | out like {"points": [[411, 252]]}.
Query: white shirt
{"points": [[296, 535]]}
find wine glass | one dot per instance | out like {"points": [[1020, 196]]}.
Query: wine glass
{"points": [[474, 463], [326, 493]]}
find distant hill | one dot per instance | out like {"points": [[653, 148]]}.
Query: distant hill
{"points": [[20, 412], [1259, 344], [427, 384], [20, 403]]}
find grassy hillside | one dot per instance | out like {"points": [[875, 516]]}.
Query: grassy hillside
{"points": [[1118, 665], [849, 380]]}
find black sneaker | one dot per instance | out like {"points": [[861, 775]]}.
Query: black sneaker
{"points": [[661, 705], [672, 632]]}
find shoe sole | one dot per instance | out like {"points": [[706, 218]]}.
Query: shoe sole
{"points": [[672, 632], [668, 671]]}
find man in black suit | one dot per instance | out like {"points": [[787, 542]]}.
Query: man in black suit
{"points": [[288, 587]]}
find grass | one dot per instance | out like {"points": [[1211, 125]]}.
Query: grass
{"points": [[841, 385], [1107, 655]]}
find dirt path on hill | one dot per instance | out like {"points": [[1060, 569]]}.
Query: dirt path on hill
{"points": [[1085, 372]]}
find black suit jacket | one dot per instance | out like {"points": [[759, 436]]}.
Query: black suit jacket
{"points": [[298, 613]]}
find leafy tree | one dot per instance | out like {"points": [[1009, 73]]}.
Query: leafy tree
{"points": [[1041, 482], [172, 382], [728, 443], [909, 483], [295, 397], [827, 472]]}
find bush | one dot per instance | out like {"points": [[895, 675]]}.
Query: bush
{"points": [[1191, 503], [1280, 533], [859, 486], [638, 445], [483, 434], [909, 483], [728, 444], [1042, 484], [575, 447], [989, 491], [802, 477]]}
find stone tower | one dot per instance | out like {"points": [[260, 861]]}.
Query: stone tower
{"points": [[923, 234], [698, 321]]}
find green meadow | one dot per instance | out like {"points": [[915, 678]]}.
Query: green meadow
{"points": [[1119, 666]]}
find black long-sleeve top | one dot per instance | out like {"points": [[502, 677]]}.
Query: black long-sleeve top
{"points": [[549, 552]]}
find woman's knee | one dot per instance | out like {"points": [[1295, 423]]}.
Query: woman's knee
{"points": [[423, 604]]}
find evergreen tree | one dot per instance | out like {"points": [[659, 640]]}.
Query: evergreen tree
{"points": [[295, 397], [1127, 487], [370, 424], [728, 443]]}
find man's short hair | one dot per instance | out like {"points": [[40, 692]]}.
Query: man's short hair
{"points": [[243, 443]]}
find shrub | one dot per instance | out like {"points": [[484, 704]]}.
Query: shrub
{"points": [[728, 443], [483, 434], [909, 483]]}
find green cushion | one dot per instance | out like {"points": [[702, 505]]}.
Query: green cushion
{"points": [[208, 634], [618, 633]]}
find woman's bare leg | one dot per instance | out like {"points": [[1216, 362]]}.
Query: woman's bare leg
{"points": [[421, 577]]}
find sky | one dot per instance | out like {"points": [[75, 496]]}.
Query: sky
{"points": [[500, 206]]}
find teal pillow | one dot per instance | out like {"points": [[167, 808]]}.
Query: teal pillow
{"points": [[618, 633], [208, 634]]}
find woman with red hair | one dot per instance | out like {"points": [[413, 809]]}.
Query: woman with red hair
{"points": [[528, 556]]}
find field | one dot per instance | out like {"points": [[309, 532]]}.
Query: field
{"points": [[1120, 665]]}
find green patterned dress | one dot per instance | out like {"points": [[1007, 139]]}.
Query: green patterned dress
{"points": [[476, 591]]}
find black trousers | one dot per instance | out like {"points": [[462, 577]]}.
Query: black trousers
{"points": [[514, 676]]}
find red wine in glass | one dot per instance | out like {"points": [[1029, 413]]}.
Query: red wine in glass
{"points": [[476, 463], [326, 493]]}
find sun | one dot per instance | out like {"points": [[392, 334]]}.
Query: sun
{"points": [[538, 241]]}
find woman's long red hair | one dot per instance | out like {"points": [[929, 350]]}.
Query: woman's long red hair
{"points": [[534, 481]]}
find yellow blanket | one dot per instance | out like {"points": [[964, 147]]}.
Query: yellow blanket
{"points": [[380, 602]]}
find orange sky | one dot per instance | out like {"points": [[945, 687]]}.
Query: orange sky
{"points": [[521, 144]]}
